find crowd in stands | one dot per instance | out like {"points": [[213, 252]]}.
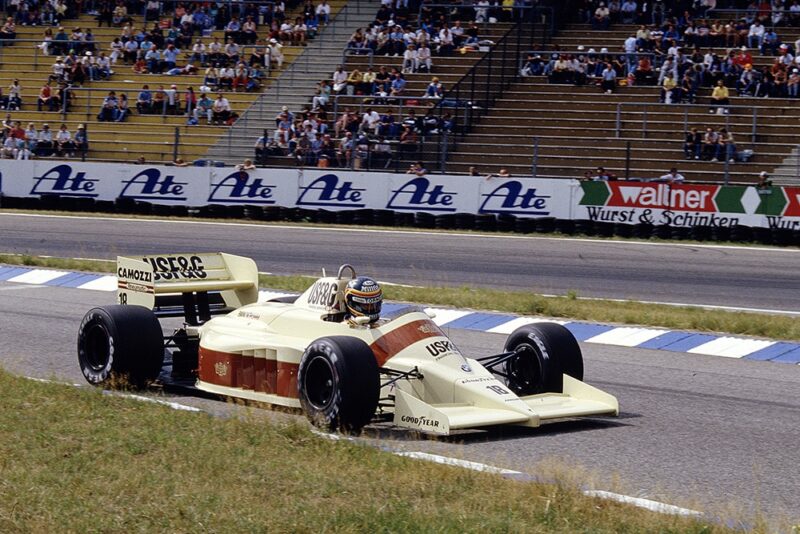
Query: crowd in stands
{"points": [[352, 139], [438, 32], [20, 143], [711, 145], [674, 49]]}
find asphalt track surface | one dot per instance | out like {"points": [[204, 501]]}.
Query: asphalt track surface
{"points": [[751, 277], [708, 433]]}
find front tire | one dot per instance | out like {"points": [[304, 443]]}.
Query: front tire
{"points": [[120, 343], [339, 383], [545, 352]]}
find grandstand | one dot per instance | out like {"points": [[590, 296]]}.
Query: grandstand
{"points": [[156, 137], [526, 124]]}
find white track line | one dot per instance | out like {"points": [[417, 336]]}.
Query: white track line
{"points": [[446, 460], [141, 398], [653, 506]]}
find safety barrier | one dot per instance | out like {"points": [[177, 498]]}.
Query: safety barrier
{"points": [[625, 208]]}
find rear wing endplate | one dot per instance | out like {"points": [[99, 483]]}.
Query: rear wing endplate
{"points": [[192, 285]]}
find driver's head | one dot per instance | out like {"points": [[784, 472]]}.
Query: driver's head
{"points": [[363, 298]]}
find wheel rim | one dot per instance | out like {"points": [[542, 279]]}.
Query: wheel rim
{"points": [[96, 347], [525, 374], [318, 383]]}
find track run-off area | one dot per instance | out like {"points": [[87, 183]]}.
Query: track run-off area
{"points": [[702, 432]]}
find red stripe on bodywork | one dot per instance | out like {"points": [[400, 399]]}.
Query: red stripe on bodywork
{"points": [[247, 372], [395, 341]]}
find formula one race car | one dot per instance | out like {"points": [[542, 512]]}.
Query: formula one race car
{"points": [[327, 351]]}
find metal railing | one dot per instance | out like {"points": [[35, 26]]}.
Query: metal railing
{"points": [[628, 60]]}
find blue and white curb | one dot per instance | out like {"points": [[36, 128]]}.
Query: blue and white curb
{"points": [[623, 336]]}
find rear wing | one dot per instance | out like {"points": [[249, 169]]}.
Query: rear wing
{"points": [[194, 286]]}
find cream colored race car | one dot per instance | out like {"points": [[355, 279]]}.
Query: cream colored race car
{"points": [[303, 352]]}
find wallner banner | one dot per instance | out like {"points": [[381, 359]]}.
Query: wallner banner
{"points": [[681, 205], [688, 205]]}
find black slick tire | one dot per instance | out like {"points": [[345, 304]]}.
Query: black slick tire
{"points": [[123, 343], [545, 351], [339, 383]]}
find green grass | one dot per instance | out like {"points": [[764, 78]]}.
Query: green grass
{"points": [[524, 303], [74, 460]]}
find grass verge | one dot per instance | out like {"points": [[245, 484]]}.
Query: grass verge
{"points": [[523, 303], [74, 460]]}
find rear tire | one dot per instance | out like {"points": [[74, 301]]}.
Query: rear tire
{"points": [[339, 383], [546, 351], [123, 343]]}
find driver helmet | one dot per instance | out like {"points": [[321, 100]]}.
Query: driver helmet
{"points": [[363, 297]]}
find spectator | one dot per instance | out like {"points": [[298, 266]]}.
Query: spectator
{"points": [[204, 108], [81, 141], [260, 148], [398, 85], [727, 144], [693, 144], [755, 35], [64, 145], [435, 89], [249, 35], [122, 109], [793, 83], [199, 53], [711, 146], [159, 101], [246, 165], [339, 79], [670, 93], [275, 53], [417, 169], [720, 97], [370, 121], [144, 101], [45, 97], [533, 66], [353, 79], [502, 173], [410, 60], [172, 100], [769, 43], [424, 58], [672, 177], [190, 102], [14, 96], [8, 31], [226, 76], [602, 175], [764, 183], [44, 145], [221, 110], [608, 79], [323, 12], [601, 19], [320, 100], [108, 110], [31, 138]]}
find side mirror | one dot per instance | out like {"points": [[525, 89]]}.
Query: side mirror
{"points": [[362, 320], [430, 313]]}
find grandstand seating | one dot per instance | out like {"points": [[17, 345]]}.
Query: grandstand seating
{"points": [[151, 136], [576, 127]]}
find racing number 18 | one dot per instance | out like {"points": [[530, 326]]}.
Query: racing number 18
{"points": [[123, 298]]}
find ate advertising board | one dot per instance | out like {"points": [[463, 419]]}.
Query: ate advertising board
{"points": [[625, 202]]}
